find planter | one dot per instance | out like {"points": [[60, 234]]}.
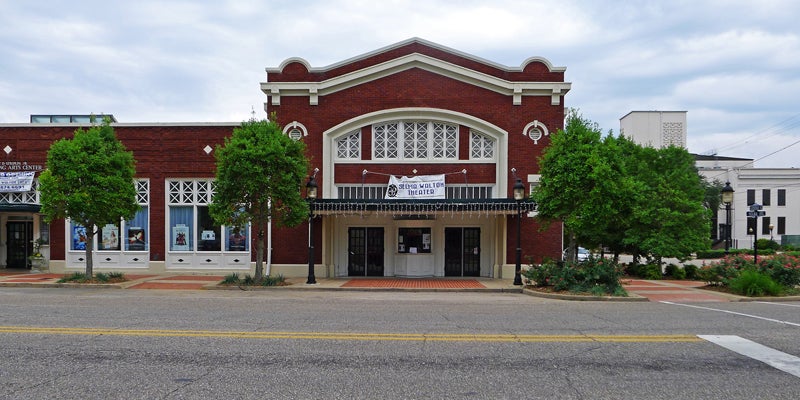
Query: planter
{"points": [[39, 264]]}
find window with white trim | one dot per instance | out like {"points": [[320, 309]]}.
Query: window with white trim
{"points": [[481, 146], [191, 227], [348, 147], [110, 237], [415, 140]]}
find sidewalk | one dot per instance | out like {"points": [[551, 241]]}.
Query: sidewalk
{"points": [[638, 289]]}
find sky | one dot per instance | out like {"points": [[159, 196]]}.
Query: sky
{"points": [[734, 66]]}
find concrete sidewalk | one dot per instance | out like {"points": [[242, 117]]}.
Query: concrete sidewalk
{"points": [[638, 289]]}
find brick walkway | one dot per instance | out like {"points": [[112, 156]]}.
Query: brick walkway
{"points": [[417, 283]]}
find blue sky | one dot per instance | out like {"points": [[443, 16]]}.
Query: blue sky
{"points": [[733, 65]]}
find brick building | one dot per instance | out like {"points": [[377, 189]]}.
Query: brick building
{"points": [[416, 147]]}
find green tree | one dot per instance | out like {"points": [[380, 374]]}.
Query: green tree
{"points": [[89, 179], [669, 217], [566, 168], [259, 176]]}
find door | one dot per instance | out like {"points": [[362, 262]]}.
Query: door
{"points": [[20, 243], [365, 251], [462, 251]]}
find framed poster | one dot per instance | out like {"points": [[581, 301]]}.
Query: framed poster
{"points": [[136, 238], [78, 238], [180, 238], [109, 237], [237, 240]]}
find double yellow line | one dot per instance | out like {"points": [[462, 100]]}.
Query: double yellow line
{"points": [[353, 336]]}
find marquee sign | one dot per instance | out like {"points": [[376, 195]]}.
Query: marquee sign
{"points": [[416, 187], [16, 182]]}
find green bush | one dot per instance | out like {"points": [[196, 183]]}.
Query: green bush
{"points": [[782, 268], [691, 271], [597, 276], [709, 254], [675, 272], [754, 283], [767, 244], [77, 277]]}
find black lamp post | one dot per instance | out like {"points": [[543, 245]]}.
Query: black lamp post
{"points": [[727, 199], [519, 194], [311, 195]]}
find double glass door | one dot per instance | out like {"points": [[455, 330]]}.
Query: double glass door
{"points": [[365, 251], [462, 251]]}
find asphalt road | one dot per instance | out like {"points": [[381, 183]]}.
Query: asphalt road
{"points": [[151, 344]]}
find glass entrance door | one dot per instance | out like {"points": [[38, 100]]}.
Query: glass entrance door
{"points": [[365, 252], [462, 251], [20, 243]]}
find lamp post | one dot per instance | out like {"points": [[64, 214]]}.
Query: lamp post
{"points": [[727, 199], [311, 195], [771, 227], [519, 194]]}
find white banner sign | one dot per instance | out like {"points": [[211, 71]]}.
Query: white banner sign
{"points": [[16, 182], [416, 187]]}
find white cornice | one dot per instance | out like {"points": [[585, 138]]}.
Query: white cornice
{"points": [[415, 60], [424, 42]]}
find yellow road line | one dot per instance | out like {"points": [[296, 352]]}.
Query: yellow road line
{"points": [[442, 337]]}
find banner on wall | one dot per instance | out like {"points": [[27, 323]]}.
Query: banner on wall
{"points": [[416, 187], [16, 182]]}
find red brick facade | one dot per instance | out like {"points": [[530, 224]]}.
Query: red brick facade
{"points": [[412, 80]]}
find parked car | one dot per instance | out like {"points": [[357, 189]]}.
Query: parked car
{"points": [[583, 254]]}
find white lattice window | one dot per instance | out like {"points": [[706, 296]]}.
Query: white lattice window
{"points": [[415, 141], [190, 191], [349, 146], [143, 192], [385, 141], [482, 146], [445, 141]]}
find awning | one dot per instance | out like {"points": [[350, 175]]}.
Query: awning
{"points": [[19, 207], [349, 207]]}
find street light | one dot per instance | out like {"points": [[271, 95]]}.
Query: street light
{"points": [[727, 199], [519, 194], [311, 195], [771, 227]]}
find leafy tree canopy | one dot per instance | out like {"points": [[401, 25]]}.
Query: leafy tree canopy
{"points": [[89, 179], [259, 176]]}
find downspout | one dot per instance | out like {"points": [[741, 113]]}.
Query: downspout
{"points": [[269, 239]]}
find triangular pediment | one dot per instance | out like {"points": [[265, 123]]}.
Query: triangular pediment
{"points": [[295, 76]]}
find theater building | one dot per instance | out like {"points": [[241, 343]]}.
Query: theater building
{"points": [[415, 149]]}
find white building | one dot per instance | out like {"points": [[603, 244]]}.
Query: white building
{"points": [[776, 189]]}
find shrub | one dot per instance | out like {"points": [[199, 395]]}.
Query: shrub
{"points": [[767, 244], [675, 272], [691, 271], [596, 276], [782, 268], [754, 283], [101, 277], [707, 254]]}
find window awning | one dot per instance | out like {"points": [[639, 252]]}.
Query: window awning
{"points": [[348, 207], [19, 207]]}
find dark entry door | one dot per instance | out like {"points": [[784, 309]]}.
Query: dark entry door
{"points": [[365, 252], [20, 243], [462, 251]]}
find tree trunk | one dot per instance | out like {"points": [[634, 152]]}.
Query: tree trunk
{"points": [[260, 255], [89, 249]]}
